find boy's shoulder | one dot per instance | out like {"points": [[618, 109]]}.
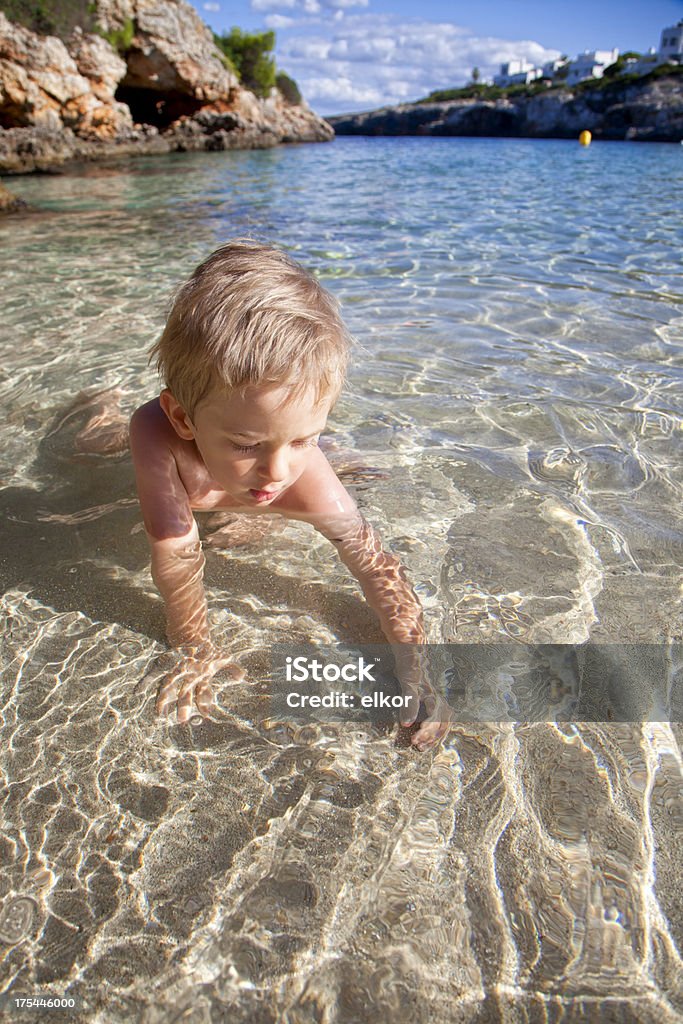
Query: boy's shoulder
{"points": [[165, 461], [319, 497], [150, 417], [152, 437], [164, 498]]}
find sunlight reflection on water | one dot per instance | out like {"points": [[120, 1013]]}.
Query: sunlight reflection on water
{"points": [[517, 406]]}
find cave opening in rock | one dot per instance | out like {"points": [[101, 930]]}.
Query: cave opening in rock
{"points": [[11, 117], [148, 106]]}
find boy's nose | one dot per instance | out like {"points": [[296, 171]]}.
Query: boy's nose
{"points": [[274, 467]]}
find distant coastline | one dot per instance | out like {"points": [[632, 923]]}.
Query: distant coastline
{"points": [[646, 109]]}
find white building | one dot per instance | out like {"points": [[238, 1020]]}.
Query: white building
{"points": [[552, 67], [671, 44], [590, 64], [516, 72], [642, 65]]}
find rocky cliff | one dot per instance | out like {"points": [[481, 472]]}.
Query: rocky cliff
{"points": [[650, 109], [10, 203], [167, 88]]}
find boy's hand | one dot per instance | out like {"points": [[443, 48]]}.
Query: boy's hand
{"points": [[191, 680], [435, 727], [413, 675]]}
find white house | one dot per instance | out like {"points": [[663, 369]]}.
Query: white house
{"points": [[671, 44], [642, 65], [590, 64], [552, 67], [516, 72]]}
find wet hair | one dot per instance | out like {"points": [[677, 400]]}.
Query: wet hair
{"points": [[250, 315]]}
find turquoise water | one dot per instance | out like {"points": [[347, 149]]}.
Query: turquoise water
{"points": [[518, 304]]}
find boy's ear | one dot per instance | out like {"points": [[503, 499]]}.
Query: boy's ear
{"points": [[177, 416]]}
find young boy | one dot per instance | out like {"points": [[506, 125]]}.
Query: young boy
{"points": [[253, 355]]}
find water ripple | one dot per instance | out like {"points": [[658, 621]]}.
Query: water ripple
{"points": [[513, 427]]}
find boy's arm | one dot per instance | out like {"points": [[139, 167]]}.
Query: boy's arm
{"points": [[177, 557], [320, 498], [387, 590], [380, 574], [178, 571], [177, 564]]}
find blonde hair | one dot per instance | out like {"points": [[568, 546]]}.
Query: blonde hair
{"points": [[250, 315]]}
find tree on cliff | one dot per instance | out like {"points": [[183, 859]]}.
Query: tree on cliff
{"points": [[289, 89], [50, 17], [251, 55]]}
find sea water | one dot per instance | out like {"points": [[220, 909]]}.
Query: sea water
{"points": [[513, 426]]}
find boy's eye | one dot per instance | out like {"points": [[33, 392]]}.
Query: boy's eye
{"points": [[308, 442]]}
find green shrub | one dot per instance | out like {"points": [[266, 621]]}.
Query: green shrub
{"points": [[120, 39], [288, 88], [61, 17], [664, 70], [227, 63], [611, 84], [50, 17], [611, 81], [467, 92], [612, 70], [474, 91], [250, 54]]}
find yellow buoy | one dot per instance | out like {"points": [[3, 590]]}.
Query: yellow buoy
{"points": [[585, 138]]}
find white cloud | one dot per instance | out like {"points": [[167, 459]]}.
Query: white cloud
{"points": [[344, 89], [271, 5], [278, 21], [308, 48], [365, 60], [362, 50], [304, 7], [212, 7]]}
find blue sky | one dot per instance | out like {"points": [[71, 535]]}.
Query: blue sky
{"points": [[352, 55]]}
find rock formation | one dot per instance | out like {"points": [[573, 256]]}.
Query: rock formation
{"points": [[169, 89], [172, 58], [10, 203], [42, 85], [650, 109]]}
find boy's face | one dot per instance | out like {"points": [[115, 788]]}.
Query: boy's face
{"points": [[257, 444]]}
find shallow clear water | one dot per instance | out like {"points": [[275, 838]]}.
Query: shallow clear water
{"points": [[519, 307]]}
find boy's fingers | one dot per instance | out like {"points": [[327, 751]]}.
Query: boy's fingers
{"points": [[430, 734], [172, 689], [192, 681], [236, 672], [185, 702], [410, 708], [204, 698], [167, 695]]}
